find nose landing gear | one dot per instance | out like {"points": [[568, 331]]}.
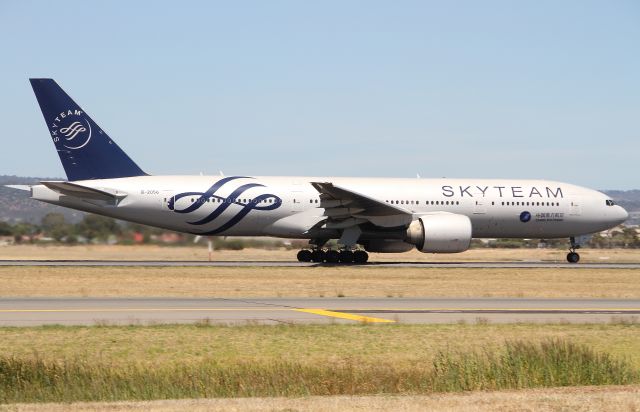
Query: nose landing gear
{"points": [[573, 256]]}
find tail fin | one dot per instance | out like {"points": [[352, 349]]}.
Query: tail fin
{"points": [[86, 151]]}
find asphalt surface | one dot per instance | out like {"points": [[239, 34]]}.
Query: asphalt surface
{"points": [[101, 311], [472, 265]]}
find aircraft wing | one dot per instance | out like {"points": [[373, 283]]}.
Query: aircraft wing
{"points": [[83, 192], [345, 208]]}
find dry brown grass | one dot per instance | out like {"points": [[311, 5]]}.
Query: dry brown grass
{"points": [[368, 281], [613, 398], [398, 345], [199, 253]]}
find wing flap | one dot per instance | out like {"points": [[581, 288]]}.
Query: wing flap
{"points": [[359, 208], [370, 206]]}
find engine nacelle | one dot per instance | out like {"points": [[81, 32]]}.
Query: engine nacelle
{"points": [[440, 233], [386, 246]]}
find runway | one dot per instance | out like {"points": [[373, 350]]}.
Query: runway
{"points": [[470, 265], [111, 311]]}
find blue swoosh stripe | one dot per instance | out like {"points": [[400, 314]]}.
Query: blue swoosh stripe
{"points": [[248, 208], [198, 203], [227, 201], [233, 196]]}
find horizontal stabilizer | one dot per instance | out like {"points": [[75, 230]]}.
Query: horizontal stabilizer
{"points": [[19, 187], [80, 191]]}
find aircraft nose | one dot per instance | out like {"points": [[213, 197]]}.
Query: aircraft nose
{"points": [[621, 215]]}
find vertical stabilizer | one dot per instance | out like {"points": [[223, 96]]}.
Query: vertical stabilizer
{"points": [[85, 150]]}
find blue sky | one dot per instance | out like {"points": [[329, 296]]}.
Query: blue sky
{"points": [[505, 89]]}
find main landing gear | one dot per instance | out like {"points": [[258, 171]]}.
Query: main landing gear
{"points": [[319, 255], [573, 256]]}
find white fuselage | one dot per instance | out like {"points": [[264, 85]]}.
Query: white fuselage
{"points": [[290, 206]]}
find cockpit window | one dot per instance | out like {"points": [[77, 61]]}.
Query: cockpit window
{"points": [[610, 202]]}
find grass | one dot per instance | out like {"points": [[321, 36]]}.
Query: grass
{"points": [[365, 281], [516, 365], [395, 344]]}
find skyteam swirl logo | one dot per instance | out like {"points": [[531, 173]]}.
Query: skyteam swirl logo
{"points": [[71, 129], [221, 204], [525, 217]]}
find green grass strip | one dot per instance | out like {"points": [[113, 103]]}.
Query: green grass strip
{"points": [[516, 365]]}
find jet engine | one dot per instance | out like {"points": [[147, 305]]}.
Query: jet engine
{"points": [[440, 233]]}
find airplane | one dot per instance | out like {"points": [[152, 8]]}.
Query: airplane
{"points": [[387, 215]]}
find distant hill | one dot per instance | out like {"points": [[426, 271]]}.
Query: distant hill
{"points": [[15, 205]]}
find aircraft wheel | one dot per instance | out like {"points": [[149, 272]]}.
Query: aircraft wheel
{"points": [[346, 256], [332, 256], [360, 256], [318, 256], [573, 257], [304, 255]]}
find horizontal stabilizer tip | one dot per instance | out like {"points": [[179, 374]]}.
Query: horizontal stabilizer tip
{"points": [[19, 187]]}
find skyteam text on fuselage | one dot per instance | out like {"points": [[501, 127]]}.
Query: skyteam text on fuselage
{"points": [[374, 214]]}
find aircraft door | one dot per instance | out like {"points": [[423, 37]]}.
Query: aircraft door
{"points": [[166, 198], [575, 207], [296, 196], [479, 208]]}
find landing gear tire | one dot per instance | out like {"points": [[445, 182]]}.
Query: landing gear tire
{"points": [[304, 255], [346, 256], [573, 257], [332, 256], [318, 256], [360, 256]]}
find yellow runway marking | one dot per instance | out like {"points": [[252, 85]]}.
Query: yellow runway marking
{"points": [[343, 315]]}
